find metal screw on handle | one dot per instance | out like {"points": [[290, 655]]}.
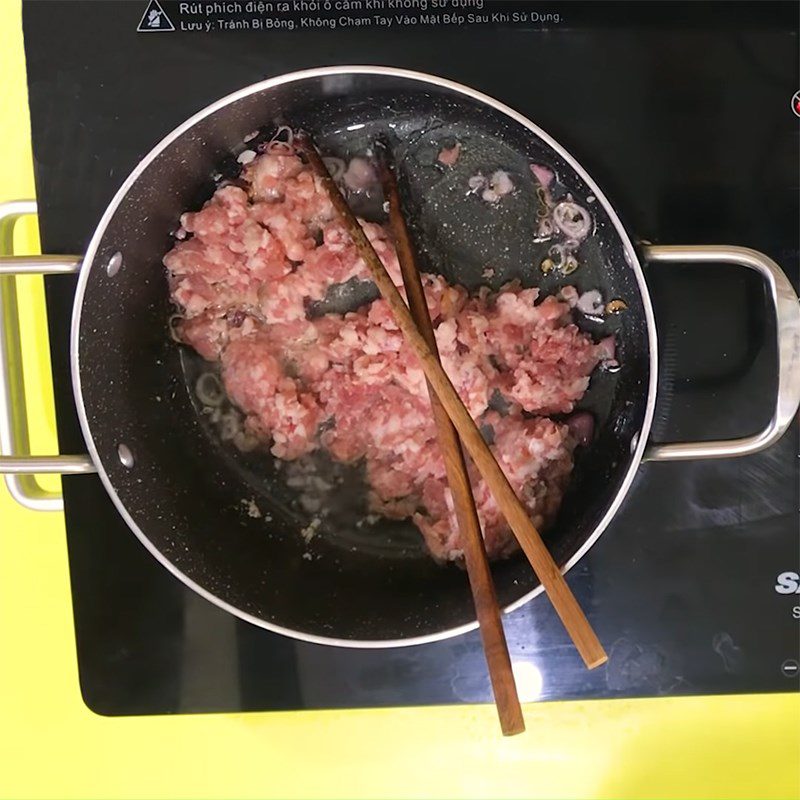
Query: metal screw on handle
{"points": [[787, 316], [19, 468]]}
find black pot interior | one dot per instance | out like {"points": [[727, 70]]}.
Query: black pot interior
{"points": [[192, 496]]}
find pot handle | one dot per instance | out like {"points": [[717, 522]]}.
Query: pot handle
{"points": [[787, 315], [18, 469]]}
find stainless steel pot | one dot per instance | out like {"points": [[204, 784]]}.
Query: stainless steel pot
{"points": [[182, 497]]}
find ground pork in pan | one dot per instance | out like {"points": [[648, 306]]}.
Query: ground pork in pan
{"points": [[245, 269]]}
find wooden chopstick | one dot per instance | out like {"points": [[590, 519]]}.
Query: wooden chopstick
{"points": [[480, 577], [564, 602]]}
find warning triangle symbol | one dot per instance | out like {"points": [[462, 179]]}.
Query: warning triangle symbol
{"points": [[155, 19]]}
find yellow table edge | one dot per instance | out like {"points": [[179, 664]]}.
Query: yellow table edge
{"points": [[51, 745]]}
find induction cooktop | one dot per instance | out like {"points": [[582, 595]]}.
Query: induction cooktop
{"points": [[682, 112]]}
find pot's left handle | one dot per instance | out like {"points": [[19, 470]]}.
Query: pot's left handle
{"points": [[18, 467]]}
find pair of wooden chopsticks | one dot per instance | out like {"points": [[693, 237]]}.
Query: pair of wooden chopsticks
{"points": [[452, 417], [469, 526]]}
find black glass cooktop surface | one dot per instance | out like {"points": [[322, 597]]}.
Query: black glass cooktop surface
{"points": [[682, 113]]}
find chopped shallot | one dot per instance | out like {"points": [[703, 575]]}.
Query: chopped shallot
{"points": [[477, 182], [494, 187], [572, 220], [543, 175], [360, 175], [591, 303], [449, 155], [501, 182]]}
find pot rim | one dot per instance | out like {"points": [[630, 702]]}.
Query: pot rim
{"points": [[318, 72]]}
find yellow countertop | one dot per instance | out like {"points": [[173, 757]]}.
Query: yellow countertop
{"points": [[51, 745]]}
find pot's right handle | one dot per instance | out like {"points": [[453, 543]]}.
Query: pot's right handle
{"points": [[787, 315], [19, 467]]}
